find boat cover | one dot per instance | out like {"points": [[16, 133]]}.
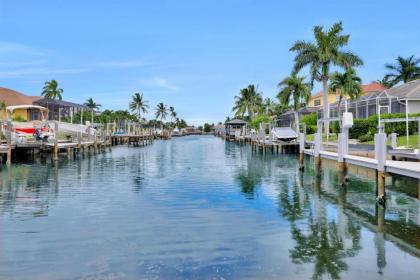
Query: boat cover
{"points": [[284, 133]]}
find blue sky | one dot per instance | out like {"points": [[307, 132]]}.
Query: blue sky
{"points": [[193, 55]]}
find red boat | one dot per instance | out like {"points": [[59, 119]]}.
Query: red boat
{"points": [[29, 130]]}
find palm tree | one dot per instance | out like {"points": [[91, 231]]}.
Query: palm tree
{"points": [[321, 55], [405, 70], [269, 106], [294, 89], [2, 109], [51, 90], [385, 82], [138, 104], [249, 101], [347, 85], [92, 105], [161, 112], [172, 112]]}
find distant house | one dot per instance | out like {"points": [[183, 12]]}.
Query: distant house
{"points": [[17, 99], [190, 130], [316, 100], [232, 126], [219, 130], [59, 109], [408, 95], [374, 100], [288, 118]]}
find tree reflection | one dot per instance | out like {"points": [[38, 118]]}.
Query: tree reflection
{"points": [[293, 199], [325, 239], [248, 179]]}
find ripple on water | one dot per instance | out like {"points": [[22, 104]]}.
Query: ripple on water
{"points": [[199, 207]]}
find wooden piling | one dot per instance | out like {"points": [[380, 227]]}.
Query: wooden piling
{"points": [[381, 187], [56, 141], [9, 143]]}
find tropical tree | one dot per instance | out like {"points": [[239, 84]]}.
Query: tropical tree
{"points": [[346, 85], [138, 104], [385, 82], [92, 105], [51, 90], [405, 70], [269, 106], [172, 113], [321, 55], [294, 90], [161, 112], [249, 101]]}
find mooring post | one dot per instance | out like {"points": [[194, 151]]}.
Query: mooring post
{"points": [[56, 140], [95, 144], [418, 143], [9, 143], [301, 151], [79, 142], [342, 150], [394, 140], [88, 132], [380, 155], [317, 148]]}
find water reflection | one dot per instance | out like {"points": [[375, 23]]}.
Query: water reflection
{"points": [[202, 208], [326, 217]]}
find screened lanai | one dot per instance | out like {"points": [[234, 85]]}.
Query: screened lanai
{"points": [[369, 104]]}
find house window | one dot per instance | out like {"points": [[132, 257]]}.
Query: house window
{"points": [[317, 102]]}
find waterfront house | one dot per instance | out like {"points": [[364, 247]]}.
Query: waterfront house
{"points": [[404, 98], [190, 130], [219, 130], [59, 109], [288, 118], [375, 98], [234, 126], [21, 105], [316, 100]]}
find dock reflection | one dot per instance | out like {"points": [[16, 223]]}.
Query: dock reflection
{"points": [[327, 218]]}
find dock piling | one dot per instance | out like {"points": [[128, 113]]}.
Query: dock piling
{"points": [[301, 151], [380, 155]]}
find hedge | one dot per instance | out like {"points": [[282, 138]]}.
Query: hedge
{"points": [[364, 129]]}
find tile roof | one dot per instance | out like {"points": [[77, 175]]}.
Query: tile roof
{"points": [[372, 87], [12, 97]]}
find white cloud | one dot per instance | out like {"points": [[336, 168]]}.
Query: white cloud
{"points": [[159, 83], [22, 61], [134, 63], [10, 48]]}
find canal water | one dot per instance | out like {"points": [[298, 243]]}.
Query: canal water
{"points": [[200, 208]]}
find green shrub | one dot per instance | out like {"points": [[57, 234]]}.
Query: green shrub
{"points": [[335, 127], [366, 137], [360, 127], [310, 119], [255, 123], [19, 119], [311, 129]]}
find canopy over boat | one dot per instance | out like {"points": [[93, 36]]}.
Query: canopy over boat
{"points": [[284, 133], [11, 109]]}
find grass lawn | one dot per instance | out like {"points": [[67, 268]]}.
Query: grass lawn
{"points": [[401, 140], [333, 137], [413, 141]]}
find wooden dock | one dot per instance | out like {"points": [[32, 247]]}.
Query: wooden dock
{"points": [[86, 142], [404, 168], [382, 160]]}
